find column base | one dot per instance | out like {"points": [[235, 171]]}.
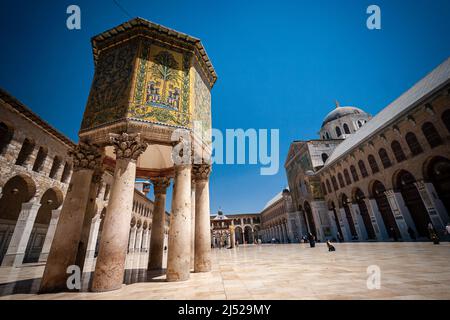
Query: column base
{"points": [[202, 268], [174, 277], [106, 289]]}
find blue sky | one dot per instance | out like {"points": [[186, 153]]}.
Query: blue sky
{"points": [[281, 64]]}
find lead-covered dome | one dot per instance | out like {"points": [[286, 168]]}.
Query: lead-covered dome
{"points": [[340, 112]]}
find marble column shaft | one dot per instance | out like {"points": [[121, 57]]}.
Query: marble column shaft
{"points": [[155, 261], [110, 265], [202, 219], [50, 235], [179, 254]]}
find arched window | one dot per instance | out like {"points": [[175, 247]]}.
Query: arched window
{"points": [[360, 123], [324, 190], [346, 129], [354, 173], [25, 152], [40, 159], [398, 151], [384, 158], [338, 132], [328, 186], [446, 119], [55, 167], [413, 143], [431, 134], [362, 168], [373, 164], [341, 180], [348, 181], [324, 157], [334, 182], [6, 134]]}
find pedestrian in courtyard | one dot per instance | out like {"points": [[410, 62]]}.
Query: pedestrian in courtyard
{"points": [[312, 240], [411, 233]]}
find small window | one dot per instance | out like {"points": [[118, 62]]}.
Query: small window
{"points": [[346, 129], [338, 132], [55, 167], [362, 168], [413, 143], [384, 158], [6, 134], [25, 152], [334, 182], [341, 180], [373, 164], [354, 173], [431, 134], [348, 181], [324, 157], [398, 151], [40, 159]]}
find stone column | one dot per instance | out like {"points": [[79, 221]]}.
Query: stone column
{"points": [[401, 213], [347, 235], [435, 209], [179, 255], [93, 236], [110, 266], [358, 222], [88, 216], [22, 231], [202, 219], [232, 236], [155, 261], [145, 241], [64, 248], [193, 222], [49, 236], [132, 239], [377, 220], [138, 244]]}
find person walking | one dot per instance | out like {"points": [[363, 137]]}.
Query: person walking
{"points": [[312, 240]]}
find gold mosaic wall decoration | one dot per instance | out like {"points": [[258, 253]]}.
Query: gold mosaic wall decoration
{"points": [[109, 94], [162, 86], [201, 104]]}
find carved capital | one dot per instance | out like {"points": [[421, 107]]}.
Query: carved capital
{"points": [[86, 156], [160, 184], [201, 171], [127, 146]]}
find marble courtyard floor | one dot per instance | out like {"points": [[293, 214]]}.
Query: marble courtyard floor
{"points": [[290, 271]]}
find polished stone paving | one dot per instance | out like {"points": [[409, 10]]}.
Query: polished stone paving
{"points": [[290, 271]]}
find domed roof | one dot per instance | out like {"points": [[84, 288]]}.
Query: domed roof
{"points": [[340, 112]]}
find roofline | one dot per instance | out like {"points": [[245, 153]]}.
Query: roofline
{"points": [[138, 21], [414, 105], [24, 110]]}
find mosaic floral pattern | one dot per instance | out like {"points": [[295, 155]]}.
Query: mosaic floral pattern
{"points": [[108, 99], [162, 86]]}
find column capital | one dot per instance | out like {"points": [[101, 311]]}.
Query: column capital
{"points": [[160, 184], [201, 171], [86, 156], [127, 145]]}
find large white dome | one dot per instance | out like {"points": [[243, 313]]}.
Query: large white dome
{"points": [[340, 112]]}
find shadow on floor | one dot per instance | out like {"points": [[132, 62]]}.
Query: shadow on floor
{"points": [[31, 286]]}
